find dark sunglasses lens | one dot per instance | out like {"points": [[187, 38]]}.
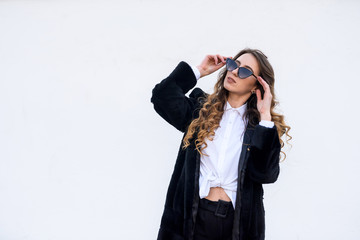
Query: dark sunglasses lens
{"points": [[244, 72], [230, 65]]}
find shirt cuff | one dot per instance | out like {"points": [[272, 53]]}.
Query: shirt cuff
{"points": [[267, 123], [196, 72]]}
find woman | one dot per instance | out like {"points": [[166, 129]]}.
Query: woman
{"points": [[231, 146]]}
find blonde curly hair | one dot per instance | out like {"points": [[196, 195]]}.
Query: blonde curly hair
{"points": [[212, 110]]}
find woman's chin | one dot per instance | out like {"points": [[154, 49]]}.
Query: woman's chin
{"points": [[228, 87]]}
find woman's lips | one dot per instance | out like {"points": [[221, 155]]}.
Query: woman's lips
{"points": [[230, 80]]}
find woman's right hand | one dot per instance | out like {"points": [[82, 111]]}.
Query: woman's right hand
{"points": [[211, 63]]}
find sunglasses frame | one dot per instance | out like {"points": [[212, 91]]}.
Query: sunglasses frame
{"points": [[229, 59]]}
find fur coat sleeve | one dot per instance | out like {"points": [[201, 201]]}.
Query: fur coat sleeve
{"points": [[169, 98], [263, 163]]}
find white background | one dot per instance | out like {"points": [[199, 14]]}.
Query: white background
{"points": [[83, 154]]}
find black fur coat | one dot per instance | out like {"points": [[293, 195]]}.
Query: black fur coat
{"points": [[258, 164]]}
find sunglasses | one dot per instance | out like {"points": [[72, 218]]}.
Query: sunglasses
{"points": [[231, 65]]}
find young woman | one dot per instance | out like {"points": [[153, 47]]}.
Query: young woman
{"points": [[230, 147]]}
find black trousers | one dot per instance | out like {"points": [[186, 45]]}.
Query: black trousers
{"points": [[214, 220]]}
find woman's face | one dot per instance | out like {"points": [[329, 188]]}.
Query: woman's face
{"points": [[240, 86]]}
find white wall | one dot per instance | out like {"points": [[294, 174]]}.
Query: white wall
{"points": [[83, 154]]}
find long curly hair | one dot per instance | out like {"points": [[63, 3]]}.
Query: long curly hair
{"points": [[212, 110]]}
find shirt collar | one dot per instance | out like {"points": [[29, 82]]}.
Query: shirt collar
{"points": [[241, 110]]}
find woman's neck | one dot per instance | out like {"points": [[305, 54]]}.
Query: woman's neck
{"points": [[236, 101]]}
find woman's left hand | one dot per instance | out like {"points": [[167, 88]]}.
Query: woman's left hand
{"points": [[264, 105]]}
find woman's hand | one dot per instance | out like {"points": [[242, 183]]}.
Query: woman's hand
{"points": [[211, 63], [264, 105]]}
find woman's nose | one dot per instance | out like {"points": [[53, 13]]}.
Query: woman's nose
{"points": [[235, 71]]}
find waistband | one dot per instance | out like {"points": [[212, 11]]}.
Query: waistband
{"points": [[220, 208]]}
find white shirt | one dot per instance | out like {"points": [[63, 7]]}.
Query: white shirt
{"points": [[220, 169]]}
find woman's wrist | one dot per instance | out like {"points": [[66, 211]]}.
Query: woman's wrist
{"points": [[266, 117], [202, 72]]}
